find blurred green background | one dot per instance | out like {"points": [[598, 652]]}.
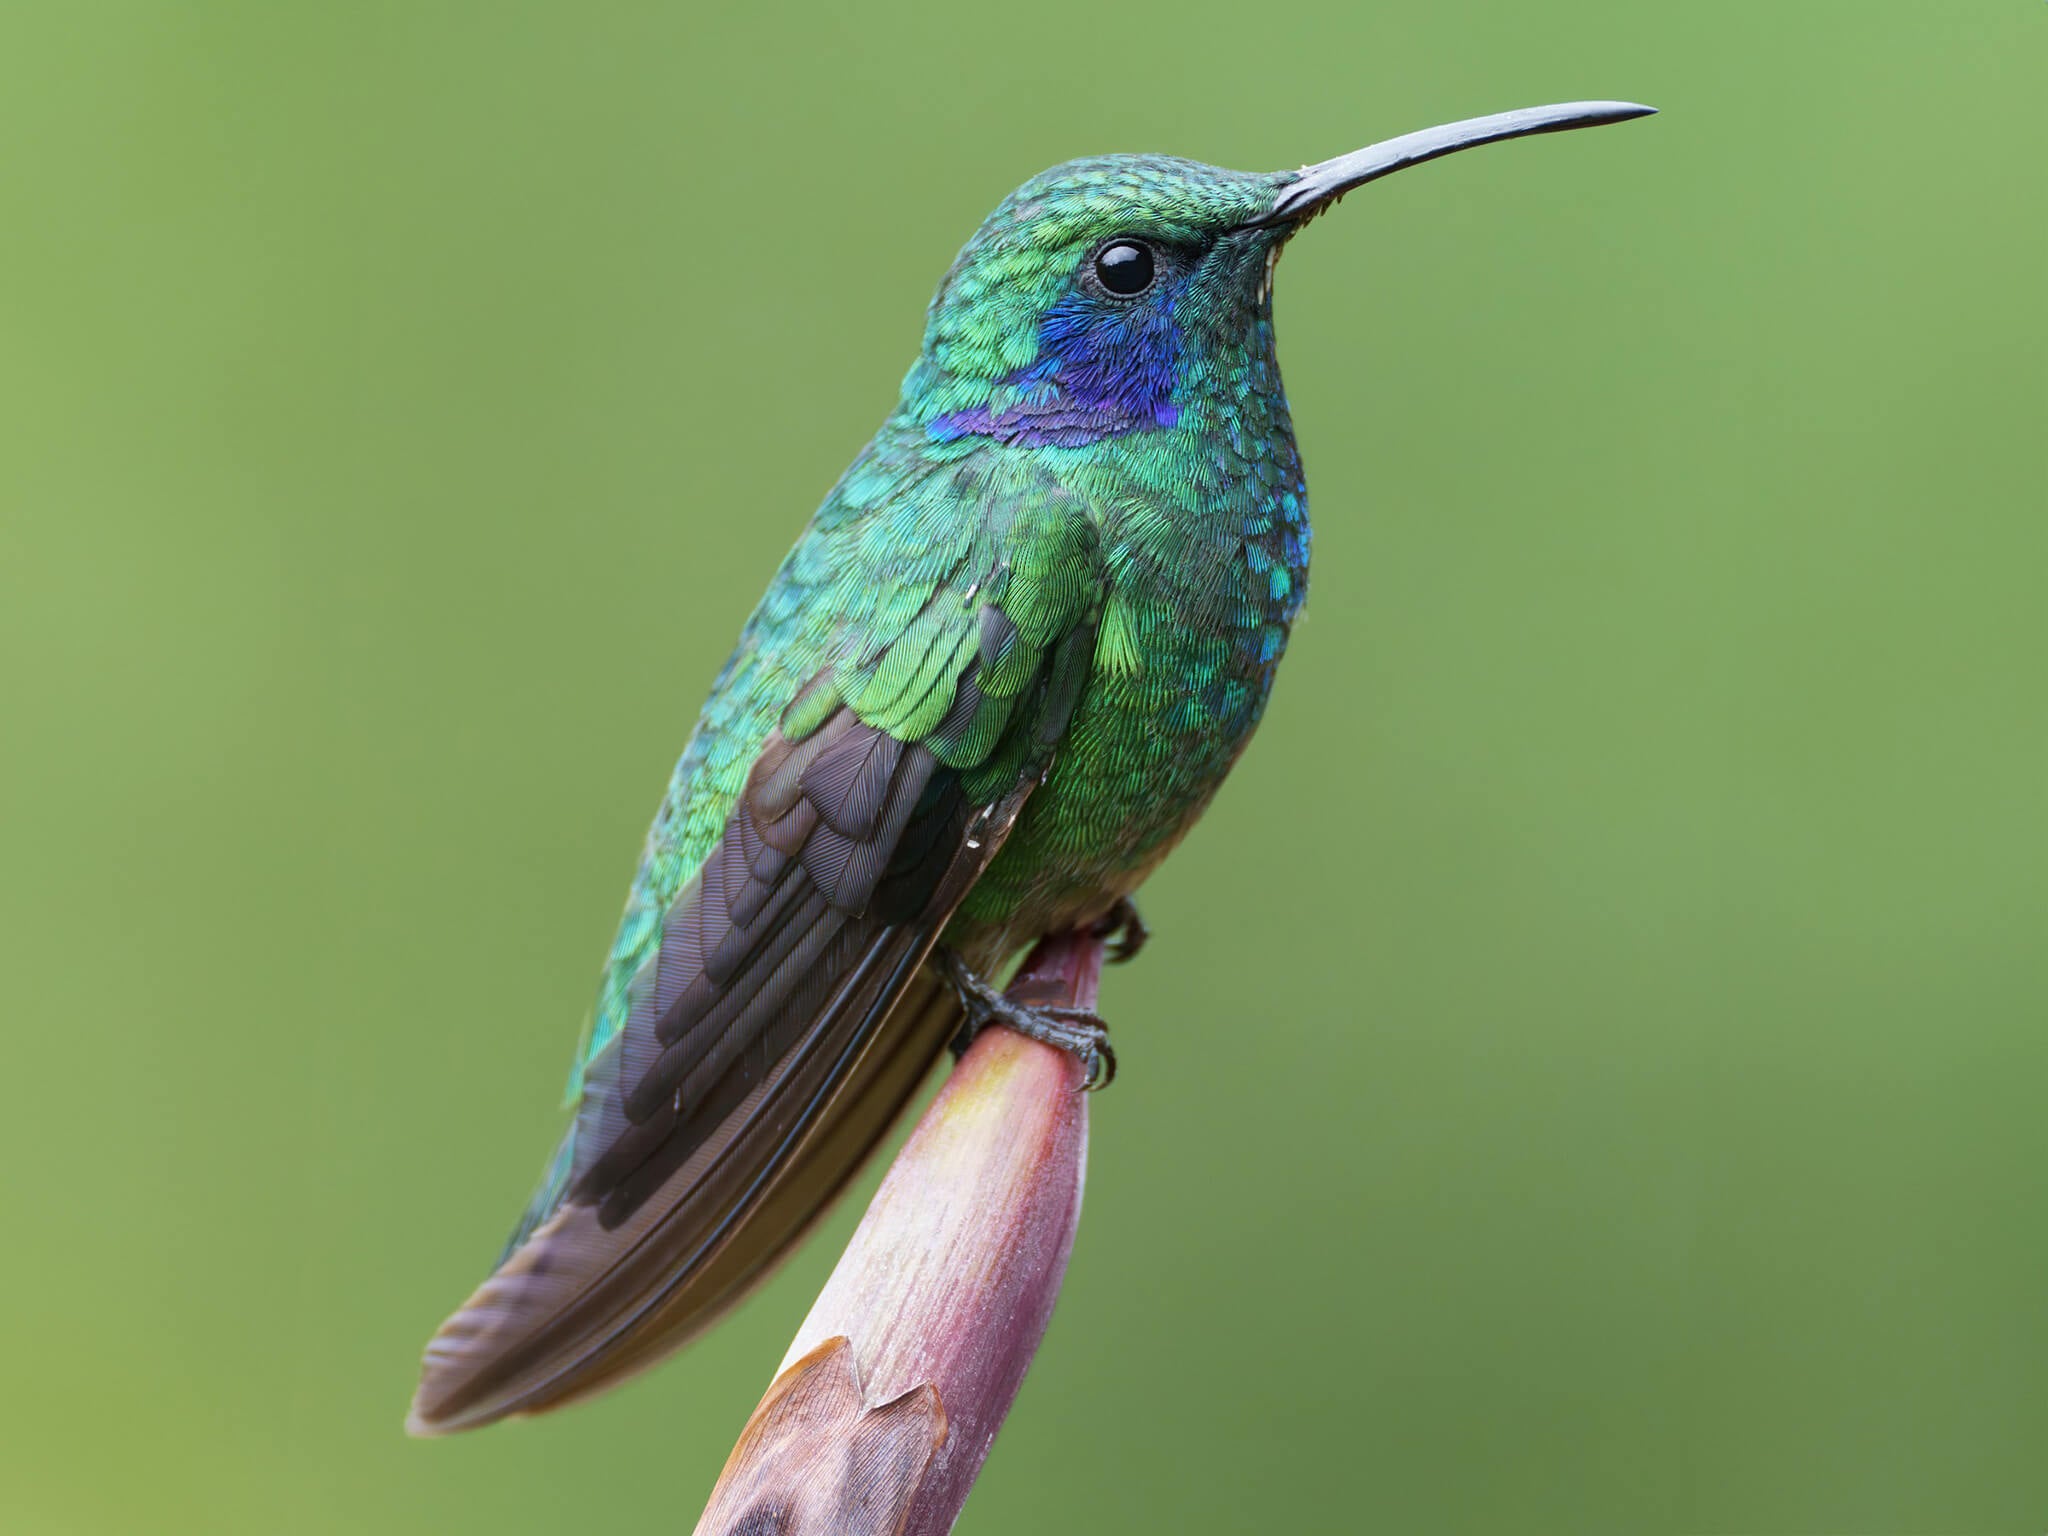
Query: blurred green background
{"points": [[1616, 1106]]}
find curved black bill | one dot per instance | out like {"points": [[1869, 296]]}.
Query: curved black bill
{"points": [[1320, 185]]}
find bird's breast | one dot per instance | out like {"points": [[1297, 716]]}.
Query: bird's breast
{"points": [[1200, 604]]}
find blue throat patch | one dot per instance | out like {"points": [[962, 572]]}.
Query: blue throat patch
{"points": [[1100, 372]]}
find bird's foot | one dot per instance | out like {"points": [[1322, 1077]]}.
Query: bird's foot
{"points": [[1073, 1030], [1123, 930]]}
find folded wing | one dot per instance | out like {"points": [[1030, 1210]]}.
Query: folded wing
{"points": [[786, 1016]]}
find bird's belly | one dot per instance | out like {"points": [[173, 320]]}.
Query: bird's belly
{"points": [[1145, 750]]}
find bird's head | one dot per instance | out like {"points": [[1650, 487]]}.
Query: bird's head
{"points": [[1104, 296]]}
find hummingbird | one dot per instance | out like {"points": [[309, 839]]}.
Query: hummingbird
{"points": [[997, 678]]}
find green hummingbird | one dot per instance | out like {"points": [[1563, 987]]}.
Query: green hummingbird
{"points": [[998, 677]]}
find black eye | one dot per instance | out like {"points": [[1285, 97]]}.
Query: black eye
{"points": [[1124, 267]]}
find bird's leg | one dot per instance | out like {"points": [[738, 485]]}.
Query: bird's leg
{"points": [[1123, 930], [1073, 1030]]}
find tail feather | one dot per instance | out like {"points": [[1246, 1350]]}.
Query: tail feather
{"points": [[577, 1308]]}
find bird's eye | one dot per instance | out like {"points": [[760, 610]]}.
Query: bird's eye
{"points": [[1124, 267]]}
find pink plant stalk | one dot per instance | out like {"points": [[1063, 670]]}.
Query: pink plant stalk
{"points": [[887, 1403]]}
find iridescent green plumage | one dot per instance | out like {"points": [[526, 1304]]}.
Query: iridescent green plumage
{"points": [[999, 675]]}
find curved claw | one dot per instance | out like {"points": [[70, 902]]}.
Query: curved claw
{"points": [[1123, 930], [1086, 1036], [1100, 1066]]}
